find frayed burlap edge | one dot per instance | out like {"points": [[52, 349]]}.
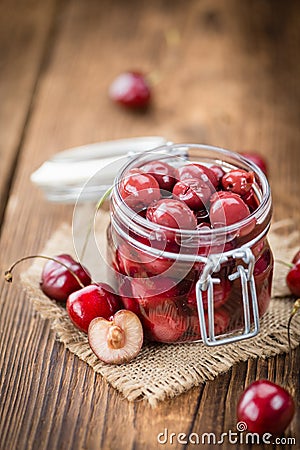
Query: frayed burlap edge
{"points": [[165, 371]]}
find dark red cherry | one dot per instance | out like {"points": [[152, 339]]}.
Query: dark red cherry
{"points": [[197, 171], [258, 160], [96, 300], [219, 172], [193, 191], [262, 263], [139, 189], [173, 214], [130, 89], [202, 217], [227, 210], [265, 407], [162, 172], [221, 294], [293, 279], [251, 200], [58, 283], [238, 181]]}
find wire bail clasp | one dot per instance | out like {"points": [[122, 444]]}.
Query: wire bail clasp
{"points": [[249, 298]]}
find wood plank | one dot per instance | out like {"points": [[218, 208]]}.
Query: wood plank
{"points": [[24, 34], [217, 86]]}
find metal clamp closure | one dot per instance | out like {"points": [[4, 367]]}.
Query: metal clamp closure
{"points": [[249, 298]]}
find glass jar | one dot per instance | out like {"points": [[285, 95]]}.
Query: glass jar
{"points": [[208, 284]]}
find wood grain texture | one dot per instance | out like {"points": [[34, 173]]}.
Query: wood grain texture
{"points": [[25, 37], [232, 80]]}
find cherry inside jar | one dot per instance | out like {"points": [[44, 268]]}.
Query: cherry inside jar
{"points": [[187, 243]]}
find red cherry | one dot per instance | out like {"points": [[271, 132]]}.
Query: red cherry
{"points": [[58, 283], [173, 214], [227, 210], [221, 294], [258, 160], [96, 300], [194, 192], [266, 408], [197, 171], [219, 172], [293, 279], [238, 181], [139, 189], [162, 172], [130, 89]]}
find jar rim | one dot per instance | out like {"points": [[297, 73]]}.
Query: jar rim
{"points": [[180, 150]]}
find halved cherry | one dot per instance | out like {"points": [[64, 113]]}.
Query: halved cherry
{"points": [[118, 340]]}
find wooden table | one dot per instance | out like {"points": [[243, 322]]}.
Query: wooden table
{"points": [[227, 73]]}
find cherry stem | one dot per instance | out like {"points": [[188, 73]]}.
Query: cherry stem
{"points": [[295, 309], [89, 230], [8, 273], [284, 263]]}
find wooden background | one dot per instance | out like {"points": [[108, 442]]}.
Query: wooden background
{"points": [[232, 79]]}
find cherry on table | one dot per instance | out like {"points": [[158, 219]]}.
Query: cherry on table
{"points": [[139, 189], [194, 192], [293, 279], [130, 89], [162, 172], [118, 340], [57, 282], [96, 300], [265, 407]]}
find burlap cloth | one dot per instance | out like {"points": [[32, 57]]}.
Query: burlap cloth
{"points": [[162, 371]]}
